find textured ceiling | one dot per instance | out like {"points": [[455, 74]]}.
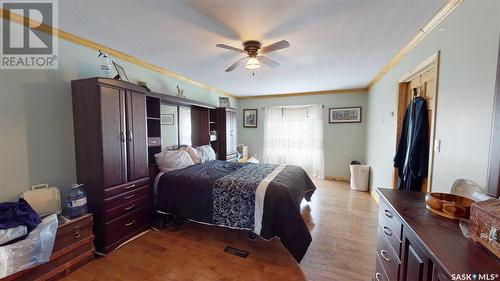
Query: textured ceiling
{"points": [[334, 44]]}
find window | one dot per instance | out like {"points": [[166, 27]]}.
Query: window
{"points": [[294, 135]]}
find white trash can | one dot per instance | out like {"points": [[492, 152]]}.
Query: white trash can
{"points": [[360, 175]]}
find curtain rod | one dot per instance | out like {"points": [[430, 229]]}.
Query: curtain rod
{"points": [[294, 106]]}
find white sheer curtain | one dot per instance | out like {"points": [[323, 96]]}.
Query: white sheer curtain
{"points": [[294, 135]]}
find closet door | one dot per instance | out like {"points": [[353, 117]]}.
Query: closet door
{"points": [[113, 136], [137, 157]]}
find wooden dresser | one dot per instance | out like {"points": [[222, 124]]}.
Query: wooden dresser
{"points": [[414, 244], [109, 118], [73, 247]]}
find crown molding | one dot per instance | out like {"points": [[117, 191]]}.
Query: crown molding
{"points": [[110, 51], [424, 31], [328, 92]]}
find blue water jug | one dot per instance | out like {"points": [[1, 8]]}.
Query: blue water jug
{"points": [[76, 201]]}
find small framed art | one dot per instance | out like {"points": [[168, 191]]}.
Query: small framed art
{"points": [[344, 115], [120, 71], [167, 119], [223, 102], [250, 118]]}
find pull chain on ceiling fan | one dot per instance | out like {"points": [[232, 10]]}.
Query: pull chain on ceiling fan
{"points": [[255, 54]]}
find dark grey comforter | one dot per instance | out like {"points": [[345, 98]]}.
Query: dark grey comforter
{"points": [[224, 193]]}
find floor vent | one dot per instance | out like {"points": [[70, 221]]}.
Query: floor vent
{"points": [[236, 252]]}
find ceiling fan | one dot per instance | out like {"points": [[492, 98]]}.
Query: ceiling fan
{"points": [[255, 54]]}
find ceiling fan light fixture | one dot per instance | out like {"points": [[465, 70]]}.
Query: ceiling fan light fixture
{"points": [[252, 64]]}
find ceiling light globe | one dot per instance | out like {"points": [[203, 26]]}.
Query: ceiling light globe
{"points": [[252, 64]]}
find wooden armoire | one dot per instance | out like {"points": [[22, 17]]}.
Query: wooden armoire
{"points": [[109, 119]]}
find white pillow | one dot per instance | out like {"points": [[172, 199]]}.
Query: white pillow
{"points": [[169, 160], [193, 153], [206, 153], [210, 152]]}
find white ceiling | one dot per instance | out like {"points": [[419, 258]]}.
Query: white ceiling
{"points": [[334, 44]]}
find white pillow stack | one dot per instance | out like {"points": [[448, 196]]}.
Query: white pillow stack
{"points": [[206, 153], [193, 153], [169, 160]]}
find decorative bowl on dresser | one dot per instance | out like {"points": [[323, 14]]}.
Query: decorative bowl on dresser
{"points": [[73, 247], [448, 205], [109, 118], [415, 244]]}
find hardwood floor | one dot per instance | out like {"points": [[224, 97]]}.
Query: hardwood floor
{"points": [[343, 225]]}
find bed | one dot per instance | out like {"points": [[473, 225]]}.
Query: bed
{"points": [[262, 198]]}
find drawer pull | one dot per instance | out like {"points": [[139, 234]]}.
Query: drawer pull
{"points": [[129, 208], [383, 253], [129, 187], [77, 235], [387, 231], [377, 276], [130, 223], [130, 196], [388, 214]]}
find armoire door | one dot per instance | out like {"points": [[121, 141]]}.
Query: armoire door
{"points": [[113, 136], [137, 157]]}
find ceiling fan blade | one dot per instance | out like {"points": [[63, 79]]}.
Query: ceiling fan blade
{"points": [[232, 67], [224, 46], [276, 46], [267, 61]]}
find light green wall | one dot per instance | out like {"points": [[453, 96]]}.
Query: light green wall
{"points": [[342, 142], [36, 118], [468, 40]]}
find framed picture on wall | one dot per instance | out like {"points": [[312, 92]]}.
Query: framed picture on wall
{"points": [[167, 119], [250, 118], [344, 115]]}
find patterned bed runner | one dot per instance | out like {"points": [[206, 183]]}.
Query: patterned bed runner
{"points": [[234, 196]]}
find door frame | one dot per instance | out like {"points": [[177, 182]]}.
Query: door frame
{"points": [[401, 104]]}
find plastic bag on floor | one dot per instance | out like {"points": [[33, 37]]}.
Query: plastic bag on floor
{"points": [[7, 235], [32, 251]]}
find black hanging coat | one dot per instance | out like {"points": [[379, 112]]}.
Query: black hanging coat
{"points": [[412, 155]]}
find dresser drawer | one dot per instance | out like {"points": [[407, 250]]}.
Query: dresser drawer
{"points": [[391, 227], [389, 259], [124, 227], [121, 210], [72, 232], [122, 188], [379, 271], [126, 197]]}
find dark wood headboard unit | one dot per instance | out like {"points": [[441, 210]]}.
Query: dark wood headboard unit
{"points": [[178, 100], [200, 120]]}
